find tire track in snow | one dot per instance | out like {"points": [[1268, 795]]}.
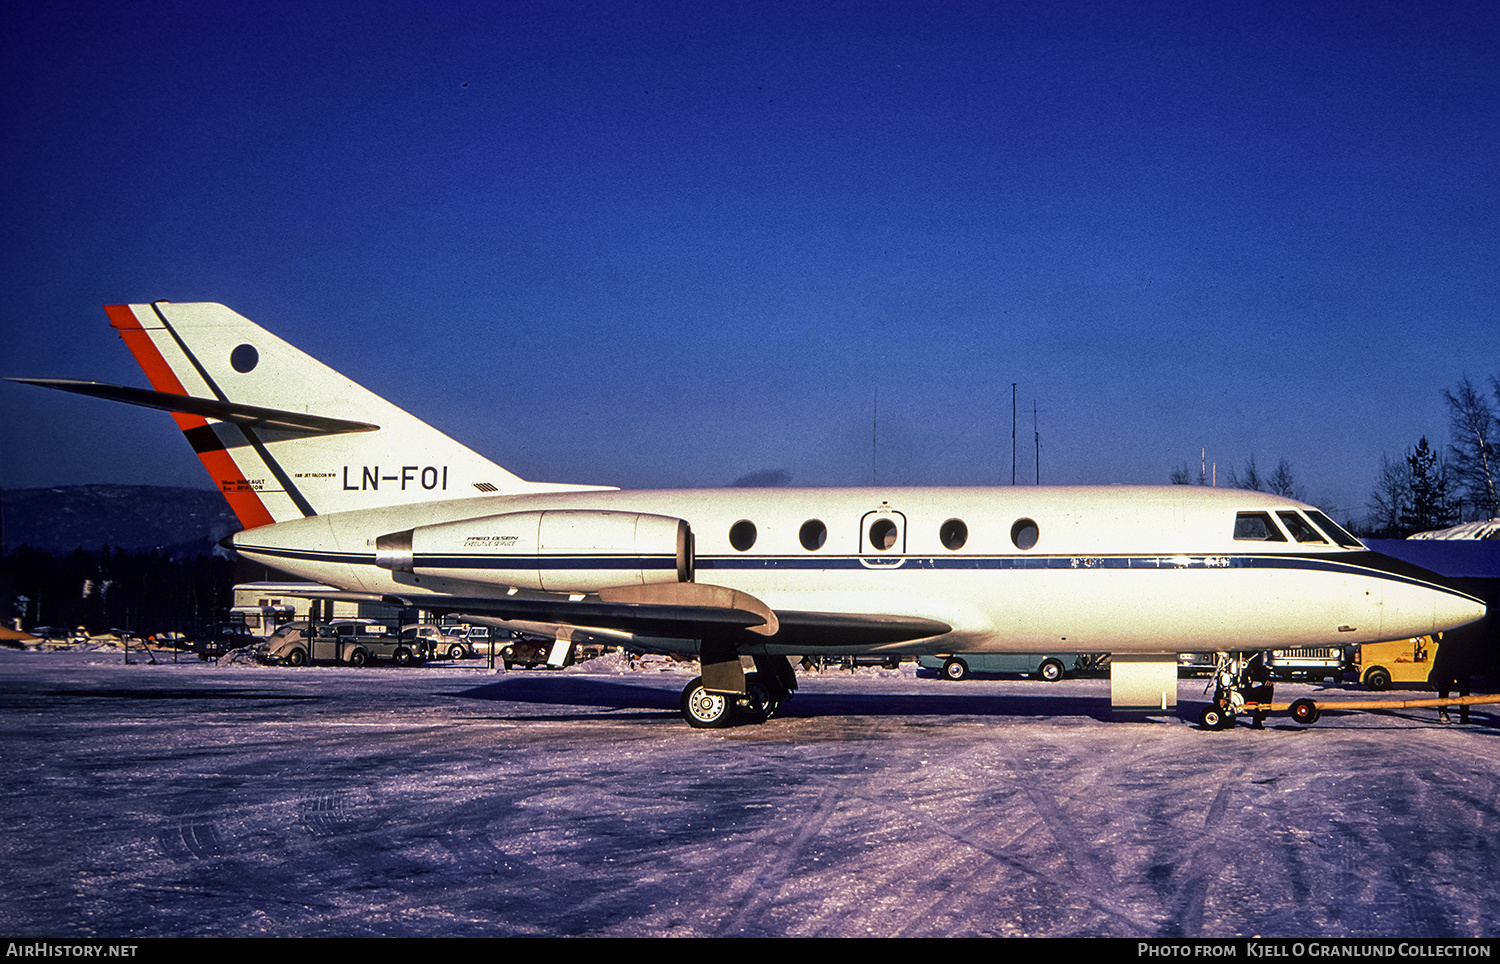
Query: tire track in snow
{"points": [[1089, 878]]}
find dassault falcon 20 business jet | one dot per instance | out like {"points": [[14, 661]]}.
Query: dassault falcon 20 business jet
{"points": [[336, 485]]}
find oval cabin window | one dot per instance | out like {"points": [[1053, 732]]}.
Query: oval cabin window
{"points": [[742, 535]]}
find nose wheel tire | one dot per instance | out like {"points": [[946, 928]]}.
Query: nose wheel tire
{"points": [[704, 710], [1213, 718]]}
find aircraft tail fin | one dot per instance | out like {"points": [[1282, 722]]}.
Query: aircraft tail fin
{"points": [[282, 435]]}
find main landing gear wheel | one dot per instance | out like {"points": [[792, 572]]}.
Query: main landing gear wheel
{"points": [[758, 705], [1306, 712], [956, 669], [704, 710]]}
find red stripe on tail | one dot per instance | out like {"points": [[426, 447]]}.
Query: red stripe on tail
{"points": [[243, 501]]}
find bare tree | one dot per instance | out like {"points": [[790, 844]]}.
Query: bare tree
{"points": [[1390, 497], [1472, 449], [1284, 483], [1250, 480]]}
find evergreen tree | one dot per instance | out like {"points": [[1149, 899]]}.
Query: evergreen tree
{"points": [[1428, 506]]}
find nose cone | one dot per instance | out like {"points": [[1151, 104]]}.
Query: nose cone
{"points": [[1412, 608], [1453, 609], [1414, 601]]}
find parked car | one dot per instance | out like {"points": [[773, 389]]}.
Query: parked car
{"points": [[871, 659], [120, 637], [1048, 666], [1313, 662], [435, 642], [60, 634], [345, 642], [475, 639], [170, 640], [1196, 664], [526, 651]]}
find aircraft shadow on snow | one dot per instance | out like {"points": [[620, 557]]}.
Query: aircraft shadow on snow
{"points": [[556, 690]]}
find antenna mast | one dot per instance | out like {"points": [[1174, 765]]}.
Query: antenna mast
{"points": [[1037, 432]]}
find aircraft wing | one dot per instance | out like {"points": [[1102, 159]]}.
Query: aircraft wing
{"points": [[249, 415], [675, 621], [835, 632], [742, 619]]}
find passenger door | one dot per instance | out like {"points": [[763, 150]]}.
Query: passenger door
{"points": [[882, 538]]}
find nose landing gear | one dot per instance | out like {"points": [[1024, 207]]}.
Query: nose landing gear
{"points": [[1229, 695]]}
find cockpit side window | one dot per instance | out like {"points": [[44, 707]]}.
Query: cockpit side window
{"points": [[1257, 527], [1299, 528], [1333, 529]]}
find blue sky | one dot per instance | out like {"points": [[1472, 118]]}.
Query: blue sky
{"points": [[673, 244]]}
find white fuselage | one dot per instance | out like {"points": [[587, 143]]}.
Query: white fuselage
{"points": [[1116, 569]]}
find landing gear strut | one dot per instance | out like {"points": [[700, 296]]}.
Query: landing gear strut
{"points": [[1229, 696]]}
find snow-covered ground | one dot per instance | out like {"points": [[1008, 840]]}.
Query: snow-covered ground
{"points": [[196, 799]]}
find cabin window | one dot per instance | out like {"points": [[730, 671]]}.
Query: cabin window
{"points": [[1257, 527], [953, 534], [742, 535], [883, 534], [1024, 533], [1299, 528], [1339, 534], [813, 534]]}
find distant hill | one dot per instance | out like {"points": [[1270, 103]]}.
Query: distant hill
{"points": [[181, 521]]}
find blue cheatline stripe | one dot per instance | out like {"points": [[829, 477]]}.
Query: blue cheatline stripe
{"points": [[809, 563]]}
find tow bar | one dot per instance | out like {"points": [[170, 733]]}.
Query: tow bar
{"points": [[1306, 712]]}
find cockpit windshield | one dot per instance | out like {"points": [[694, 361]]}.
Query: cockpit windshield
{"points": [[1339, 534], [1299, 528]]}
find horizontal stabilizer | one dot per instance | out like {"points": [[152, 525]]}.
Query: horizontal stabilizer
{"points": [[249, 415]]}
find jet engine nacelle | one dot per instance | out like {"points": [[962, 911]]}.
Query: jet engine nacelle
{"points": [[554, 550]]}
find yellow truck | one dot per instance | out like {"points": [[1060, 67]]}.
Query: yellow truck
{"points": [[1378, 665]]}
